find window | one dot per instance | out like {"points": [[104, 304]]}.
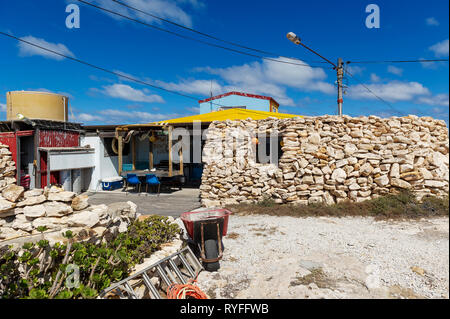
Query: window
{"points": [[223, 108], [268, 149], [107, 142]]}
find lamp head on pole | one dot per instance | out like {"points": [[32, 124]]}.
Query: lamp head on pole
{"points": [[22, 117], [293, 37]]}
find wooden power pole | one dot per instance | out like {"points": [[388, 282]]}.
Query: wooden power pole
{"points": [[340, 76]]}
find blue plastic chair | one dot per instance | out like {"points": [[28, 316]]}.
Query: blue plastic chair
{"points": [[152, 180], [132, 179]]}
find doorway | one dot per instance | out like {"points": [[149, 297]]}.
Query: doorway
{"points": [[25, 159]]}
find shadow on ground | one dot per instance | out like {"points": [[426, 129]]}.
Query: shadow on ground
{"points": [[166, 204]]}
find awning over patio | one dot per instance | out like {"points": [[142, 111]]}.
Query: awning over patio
{"points": [[230, 114]]}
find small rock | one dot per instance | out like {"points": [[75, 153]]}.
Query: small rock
{"points": [[84, 219], [6, 208], [57, 209], [33, 192], [12, 192], [418, 270], [34, 211], [32, 201], [63, 196], [80, 202]]}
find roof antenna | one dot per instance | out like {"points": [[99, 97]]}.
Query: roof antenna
{"points": [[210, 95]]}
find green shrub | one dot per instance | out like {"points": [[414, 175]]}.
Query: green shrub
{"points": [[39, 271]]}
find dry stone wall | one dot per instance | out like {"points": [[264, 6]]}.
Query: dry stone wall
{"points": [[325, 159], [23, 212], [7, 167]]}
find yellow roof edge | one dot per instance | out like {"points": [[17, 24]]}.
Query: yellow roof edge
{"points": [[230, 114]]}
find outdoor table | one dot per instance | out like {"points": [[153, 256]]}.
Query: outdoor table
{"points": [[141, 173]]}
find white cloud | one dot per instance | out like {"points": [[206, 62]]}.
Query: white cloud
{"points": [[120, 116], [394, 91], [29, 50], [431, 21], [70, 96], [194, 3], [440, 49], [126, 92], [85, 117], [355, 70], [203, 87], [439, 100], [125, 76], [117, 116], [194, 109], [374, 78], [272, 78], [162, 8], [2, 107], [394, 70]]}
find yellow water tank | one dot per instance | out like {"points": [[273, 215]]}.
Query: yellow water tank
{"points": [[36, 105]]}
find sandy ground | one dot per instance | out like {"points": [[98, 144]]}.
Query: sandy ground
{"points": [[322, 257]]}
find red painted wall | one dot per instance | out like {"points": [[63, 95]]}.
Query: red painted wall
{"points": [[9, 138], [49, 138]]}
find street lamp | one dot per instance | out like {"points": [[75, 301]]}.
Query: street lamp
{"points": [[293, 37], [25, 119], [339, 68]]}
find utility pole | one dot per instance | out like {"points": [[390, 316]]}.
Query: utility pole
{"points": [[339, 68], [340, 76]]}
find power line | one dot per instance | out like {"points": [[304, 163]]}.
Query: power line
{"points": [[193, 39], [206, 34], [374, 94], [398, 61], [102, 68]]}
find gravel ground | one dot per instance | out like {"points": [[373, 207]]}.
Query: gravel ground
{"points": [[324, 257]]}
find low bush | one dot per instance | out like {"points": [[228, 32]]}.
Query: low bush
{"points": [[41, 271], [391, 206]]}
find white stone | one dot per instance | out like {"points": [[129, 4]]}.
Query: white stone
{"points": [[33, 192], [80, 202], [57, 209], [397, 182], [34, 211], [12, 192], [366, 169], [84, 219], [22, 223], [6, 207], [339, 175], [349, 149], [434, 183], [314, 138], [33, 200], [395, 171], [64, 196], [381, 181]]}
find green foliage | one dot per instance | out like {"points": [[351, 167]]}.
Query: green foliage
{"points": [[267, 202], [39, 271]]}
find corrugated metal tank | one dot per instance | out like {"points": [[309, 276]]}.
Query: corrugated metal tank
{"points": [[36, 105]]}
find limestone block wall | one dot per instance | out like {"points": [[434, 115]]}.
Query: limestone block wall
{"points": [[325, 159], [22, 213], [7, 167]]}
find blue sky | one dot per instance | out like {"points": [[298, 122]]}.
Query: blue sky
{"points": [[408, 30]]}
